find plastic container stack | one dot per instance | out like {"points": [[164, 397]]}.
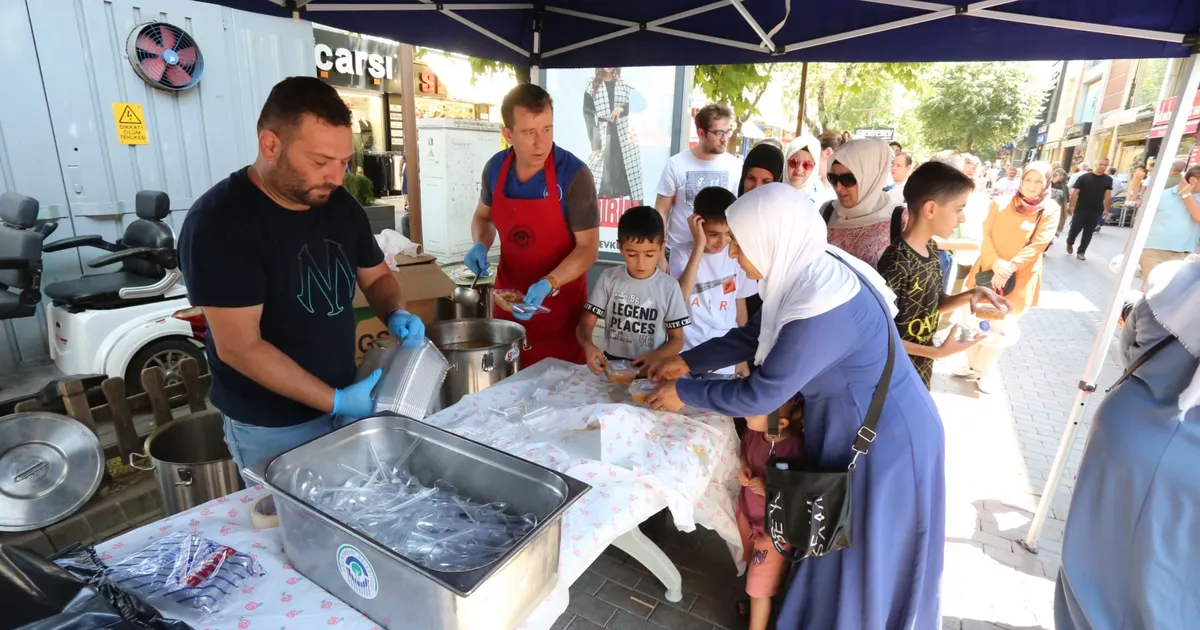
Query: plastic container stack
{"points": [[433, 526]]}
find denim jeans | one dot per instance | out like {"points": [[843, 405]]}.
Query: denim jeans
{"points": [[250, 444]]}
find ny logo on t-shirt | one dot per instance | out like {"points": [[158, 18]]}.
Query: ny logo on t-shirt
{"points": [[334, 280]]}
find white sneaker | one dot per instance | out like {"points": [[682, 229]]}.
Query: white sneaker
{"points": [[986, 384], [966, 372]]}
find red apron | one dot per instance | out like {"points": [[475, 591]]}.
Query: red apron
{"points": [[534, 239]]}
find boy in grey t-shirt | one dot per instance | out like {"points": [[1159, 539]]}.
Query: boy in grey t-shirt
{"points": [[642, 307]]}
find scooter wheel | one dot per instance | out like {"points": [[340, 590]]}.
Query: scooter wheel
{"points": [[165, 354]]}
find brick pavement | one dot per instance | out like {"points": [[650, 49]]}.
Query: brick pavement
{"points": [[999, 449]]}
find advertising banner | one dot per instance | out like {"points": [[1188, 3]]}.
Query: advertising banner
{"points": [[618, 120]]}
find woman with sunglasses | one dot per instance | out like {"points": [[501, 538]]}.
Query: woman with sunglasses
{"points": [[863, 219], [804, 168]]}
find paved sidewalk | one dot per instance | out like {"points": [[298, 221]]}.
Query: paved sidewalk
{"points": [[999, 449]]}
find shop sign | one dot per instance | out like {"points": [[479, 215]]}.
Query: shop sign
{"points": [[354, 61], [885, 133], [1078, 130], [1041, 139], [1162, 115]]}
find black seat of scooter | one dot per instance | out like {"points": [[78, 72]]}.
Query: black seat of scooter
{"points": [[99, 291], [102, 290]]}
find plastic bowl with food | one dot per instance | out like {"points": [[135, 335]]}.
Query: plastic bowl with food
{"points": [[620, 371], [513, 301], [988, 311], [640, 390]]}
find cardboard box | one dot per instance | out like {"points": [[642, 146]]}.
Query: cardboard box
{"points": [[422, 282]]}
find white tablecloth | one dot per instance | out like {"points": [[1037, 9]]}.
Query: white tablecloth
{"points": [[637, 463]]}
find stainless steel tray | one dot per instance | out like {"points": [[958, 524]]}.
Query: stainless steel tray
{"points": [[391, 589]]}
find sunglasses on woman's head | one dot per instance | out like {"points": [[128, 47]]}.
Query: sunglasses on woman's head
{"points": [[847, 180], [794, 164]]}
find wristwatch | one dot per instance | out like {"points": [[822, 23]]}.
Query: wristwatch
{"points": [[554, 285]]}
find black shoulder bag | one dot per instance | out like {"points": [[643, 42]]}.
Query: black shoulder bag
{"points": [[811, 509]]}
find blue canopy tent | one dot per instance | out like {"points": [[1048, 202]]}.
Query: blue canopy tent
{"points": [[591, 33]]}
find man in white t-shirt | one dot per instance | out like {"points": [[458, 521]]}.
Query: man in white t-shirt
{"points": [[714, 286], [689, 172]]}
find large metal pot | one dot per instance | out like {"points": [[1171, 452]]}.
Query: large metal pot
{"points": [[481, 352], [190, 461]]}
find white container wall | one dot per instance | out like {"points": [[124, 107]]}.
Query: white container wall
{"points": [[63, 64]]}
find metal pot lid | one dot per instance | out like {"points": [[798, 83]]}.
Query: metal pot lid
{"points": [[50, 465]]}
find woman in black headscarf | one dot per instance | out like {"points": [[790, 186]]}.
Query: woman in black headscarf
{"points": [[763, 165]]}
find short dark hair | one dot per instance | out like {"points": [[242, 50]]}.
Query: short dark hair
{"points": [[526, 96], [1192, 173], [641, 223], [1112, 170], [934, 181], [907, 157], [711, 112], [898, 146], [712, 202], [830, 139], [294, 97]]}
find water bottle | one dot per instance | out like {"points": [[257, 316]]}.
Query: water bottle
{"points": [[967, 334]]}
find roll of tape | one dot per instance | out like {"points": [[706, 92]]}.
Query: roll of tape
{"points": [[263, 513]]}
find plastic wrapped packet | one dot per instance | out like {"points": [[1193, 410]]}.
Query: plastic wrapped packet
{"points": [[640, 390], [620, 371], [187, 569], [987, 311], [514, 302]]}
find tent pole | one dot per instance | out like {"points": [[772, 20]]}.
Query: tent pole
{"points": [[536, 57], [1133, 250], [412, 157]]}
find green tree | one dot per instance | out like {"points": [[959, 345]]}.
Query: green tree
{"points": [[849, 95], [741, 87], [978, 107], [481, 67]]}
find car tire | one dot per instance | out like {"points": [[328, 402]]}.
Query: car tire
{"points": [[165, 353]]}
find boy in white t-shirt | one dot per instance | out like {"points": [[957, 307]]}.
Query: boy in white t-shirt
{"points": [[688, 172], [713, 284]]}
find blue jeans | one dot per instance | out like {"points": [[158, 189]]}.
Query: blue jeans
{"points": [[250, 444]]}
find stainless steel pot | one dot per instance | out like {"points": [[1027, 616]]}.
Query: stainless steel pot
{"points": [[481, 352], [190, 461]]}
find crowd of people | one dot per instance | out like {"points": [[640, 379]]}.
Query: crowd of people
{"points": [[806, 289]]}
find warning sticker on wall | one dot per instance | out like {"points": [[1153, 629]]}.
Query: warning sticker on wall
{"points": [[131, 123]]}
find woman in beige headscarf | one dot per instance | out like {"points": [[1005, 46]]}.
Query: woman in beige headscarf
{"points": [[863, 219], [803, 167]]}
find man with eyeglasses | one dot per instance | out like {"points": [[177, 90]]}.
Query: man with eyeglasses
{"points": [[706, 164]]}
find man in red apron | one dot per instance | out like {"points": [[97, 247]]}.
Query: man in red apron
{"points": [[541, 202]]}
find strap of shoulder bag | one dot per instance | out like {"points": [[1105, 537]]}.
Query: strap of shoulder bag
{"points": [[1035, 228], [1146, 356], [866, 433]]}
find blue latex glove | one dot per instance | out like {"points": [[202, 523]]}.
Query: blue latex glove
{"points": [[476, 260], [355, 400], [406, 327], [535, 296]]}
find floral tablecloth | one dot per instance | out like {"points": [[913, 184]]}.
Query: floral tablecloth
{"points": [[636, 461]]}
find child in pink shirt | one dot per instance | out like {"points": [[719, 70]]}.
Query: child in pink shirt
{"points": [[766, 566]]}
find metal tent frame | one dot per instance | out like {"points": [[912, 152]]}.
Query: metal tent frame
{"points": [[771, 50]]}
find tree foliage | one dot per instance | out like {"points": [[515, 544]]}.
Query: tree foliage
{"points": [[978, 106], [740, 86], [849, 95]]}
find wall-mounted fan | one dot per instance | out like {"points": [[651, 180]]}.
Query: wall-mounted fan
{"points": [[165, 56]]}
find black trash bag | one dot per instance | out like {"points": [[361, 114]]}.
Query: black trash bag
{"points": [[70, 593]]}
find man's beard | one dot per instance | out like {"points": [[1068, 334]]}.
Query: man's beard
{"points": [[290, 184], [715, 151]]}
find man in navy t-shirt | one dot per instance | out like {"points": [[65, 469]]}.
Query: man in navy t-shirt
{"points": [[273, 254], [540, 201]]}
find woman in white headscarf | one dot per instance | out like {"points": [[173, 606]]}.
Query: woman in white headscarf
{"points": [[803, 168], [863, 219], [823, 334], [1130, 554]]}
